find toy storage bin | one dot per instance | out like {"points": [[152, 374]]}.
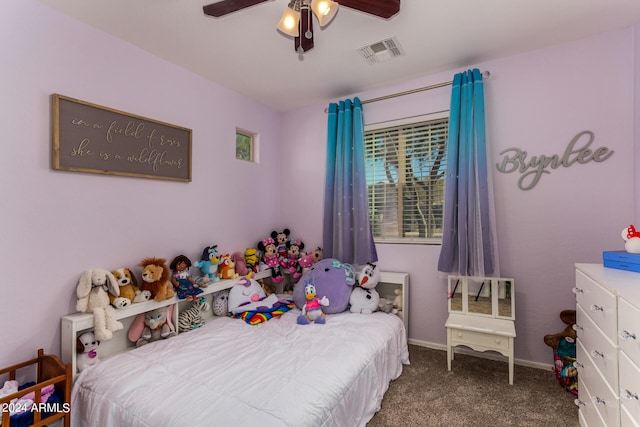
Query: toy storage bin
{"points": [[50, 371]]}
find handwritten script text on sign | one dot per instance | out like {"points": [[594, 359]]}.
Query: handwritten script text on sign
{"points": [[532, 169]]}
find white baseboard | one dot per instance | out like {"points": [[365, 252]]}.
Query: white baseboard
{"points": [[490, 356]]}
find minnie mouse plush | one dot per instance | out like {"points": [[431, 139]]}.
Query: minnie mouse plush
{"points": [[270, 257], [290, 263]]}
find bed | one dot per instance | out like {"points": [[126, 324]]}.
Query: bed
{"points": [[230, 373]]}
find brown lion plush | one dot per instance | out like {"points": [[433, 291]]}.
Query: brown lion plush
{"points": [[155, 278]]}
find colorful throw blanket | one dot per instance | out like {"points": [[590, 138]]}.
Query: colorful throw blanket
{"points": [[262, 315]]}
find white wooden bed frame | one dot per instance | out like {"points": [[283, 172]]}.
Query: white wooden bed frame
{"points": [[73, 325]]}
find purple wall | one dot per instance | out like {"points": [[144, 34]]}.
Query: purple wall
{"points": [[536, 102], [54, 225]]}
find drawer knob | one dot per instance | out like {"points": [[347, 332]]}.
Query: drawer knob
{"points": [[579, 402], [577, 290], [599, 401], [497, 340], [596, 307], [626, 335], [578, 365], [576, 327], [597, 354], [628, 395]]}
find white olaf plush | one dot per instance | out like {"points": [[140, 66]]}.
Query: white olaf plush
{"points": [[364, 298]]}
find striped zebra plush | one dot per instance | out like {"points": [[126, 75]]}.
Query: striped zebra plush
{"points": [[191, 318]]}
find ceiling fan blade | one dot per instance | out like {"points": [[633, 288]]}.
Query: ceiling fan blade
{"points": [[225, 7], [381, 8]]}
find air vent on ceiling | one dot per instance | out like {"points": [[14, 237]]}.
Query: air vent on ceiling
{"points": [[381, 51]]}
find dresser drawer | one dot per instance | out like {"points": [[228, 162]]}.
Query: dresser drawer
{"points": [[629, 330], [588, 414], [626, 420], [629, 386], [473, 338], [598, 302], [601, 395], [603, 352]]}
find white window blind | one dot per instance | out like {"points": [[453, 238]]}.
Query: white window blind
{"points": [[405, 164]]}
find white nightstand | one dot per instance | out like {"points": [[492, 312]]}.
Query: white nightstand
{"points": [[481, 316]]}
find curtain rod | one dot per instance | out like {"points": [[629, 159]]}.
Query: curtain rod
{"points": [[485, 74]]}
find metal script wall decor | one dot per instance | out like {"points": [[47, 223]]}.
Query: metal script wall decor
{"points": [[532, 169]]}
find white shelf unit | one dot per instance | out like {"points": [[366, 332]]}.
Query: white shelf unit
{"points": [[386, 287], [73, 325]]}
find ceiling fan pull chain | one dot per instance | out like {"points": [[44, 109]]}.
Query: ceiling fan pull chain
{"points": [[308, 34]]}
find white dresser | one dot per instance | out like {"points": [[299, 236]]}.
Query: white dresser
{"points": [[608, 346]]}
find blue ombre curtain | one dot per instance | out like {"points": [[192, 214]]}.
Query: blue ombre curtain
{"points": [[347, 232], [468, 236]]}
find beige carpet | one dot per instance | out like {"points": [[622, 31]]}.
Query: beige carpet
{"points": [[475, 393]]}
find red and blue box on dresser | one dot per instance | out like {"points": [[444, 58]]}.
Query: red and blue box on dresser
{"points": [[622, 260]]}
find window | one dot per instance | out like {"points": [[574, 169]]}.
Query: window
{"points": [[405, 165], [244, 145]]}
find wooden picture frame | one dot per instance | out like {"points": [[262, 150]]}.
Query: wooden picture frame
{"points": [[96, 139]]}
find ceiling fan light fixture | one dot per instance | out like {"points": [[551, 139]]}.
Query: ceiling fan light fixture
{"points": [[324, 10], [290, 19]]}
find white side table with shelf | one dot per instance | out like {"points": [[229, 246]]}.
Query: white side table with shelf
{"points": [[73, 325], [481, 316]]}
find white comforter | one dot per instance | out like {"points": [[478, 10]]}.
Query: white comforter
{"points": [[229, 373]]}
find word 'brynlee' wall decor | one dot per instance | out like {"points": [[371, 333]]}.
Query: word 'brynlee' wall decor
{"points": [[515, 159], [95, 139]]}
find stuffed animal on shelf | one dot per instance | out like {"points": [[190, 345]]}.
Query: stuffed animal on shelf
{"points": [[93, 291], [364, 297], [307, 260], [221, 303], [312, 308], [191, 318], [632, 240], [86, 349], [184, 285], [385, 305], [270, 258], [240, 265], [227, 268], [155, 278], [331, 278], [251, 259], [281, 238], [397, 302], [152, 326], [129, 291], [209, 262], [290, 263]]}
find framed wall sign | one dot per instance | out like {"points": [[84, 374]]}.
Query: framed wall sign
{"points": [[95, 139]]}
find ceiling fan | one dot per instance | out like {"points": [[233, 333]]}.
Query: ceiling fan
{"points": [[297, 19]]}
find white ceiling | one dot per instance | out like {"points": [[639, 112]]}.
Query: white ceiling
{"points": [[244, 51]]}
